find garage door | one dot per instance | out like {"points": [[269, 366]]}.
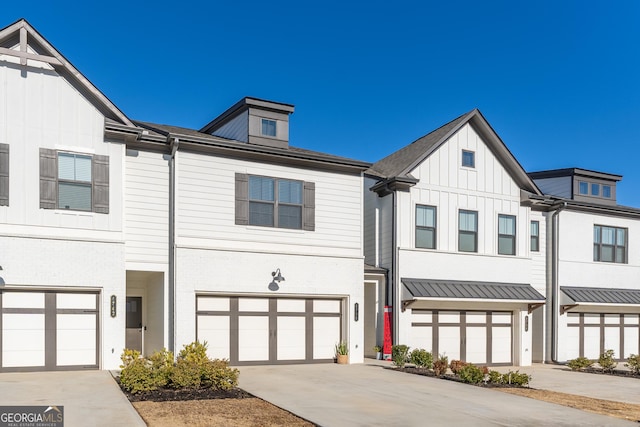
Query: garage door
{"points": [[48, 330], [590, 334], [480, 337], [250, 331]]}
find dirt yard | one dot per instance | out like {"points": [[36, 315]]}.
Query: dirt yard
{"points": [[626, 411]]}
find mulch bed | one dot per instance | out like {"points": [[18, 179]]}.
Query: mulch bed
{"points": [[615, 372], [449, 377], [166, 395]]}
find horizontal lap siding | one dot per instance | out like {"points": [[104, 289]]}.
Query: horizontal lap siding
{"points": [[206, 204], [147, 207]]}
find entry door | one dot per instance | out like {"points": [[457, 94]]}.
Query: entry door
{"points": [[134, 323]]}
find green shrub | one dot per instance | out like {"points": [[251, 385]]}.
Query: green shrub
{"points": [[495, 377], [194, 352], [471, 374], [421, 358], [516, 378], [633, 363], [218, 375], [128, 356], [606, 361], [456, 365], [186, 374], [579, 363], [440, 366], [399, 354], [161, 365], [136, 376]]}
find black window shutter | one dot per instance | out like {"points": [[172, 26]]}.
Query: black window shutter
{"points": [[309, 210], [100, 177], [242, 199], [48, 178], [4, 174]]}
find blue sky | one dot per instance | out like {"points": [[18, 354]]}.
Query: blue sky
{"points": [[558, 81]]}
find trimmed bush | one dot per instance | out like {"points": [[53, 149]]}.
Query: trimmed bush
{"points": [[421, 358], [218, 375], [579, 363], [606, 361], [516, 378], [633, 363], [457, 365], [136, 376], [495, 377], [161, 365], [129, 356], [399, 354], [471, 374], [440, 366]]}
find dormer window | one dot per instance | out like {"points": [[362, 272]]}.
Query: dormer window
{"points": [[584, 188], [595, 189], [269, 127], [468, 159], [606, 191]]}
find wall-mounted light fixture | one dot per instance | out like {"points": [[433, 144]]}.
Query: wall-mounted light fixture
{"points": [[277, 276]]}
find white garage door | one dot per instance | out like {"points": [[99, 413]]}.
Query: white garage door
{"points": [[262, 330], [590, 334], [48, 330], [480, 337]]}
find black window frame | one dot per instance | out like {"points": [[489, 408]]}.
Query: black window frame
{"points": [[467, 232], [511, 237], [427, 228], [616, 247], [535, 238]]}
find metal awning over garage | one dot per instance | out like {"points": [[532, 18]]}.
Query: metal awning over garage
{"points": [[574, 296], [447, 290]]}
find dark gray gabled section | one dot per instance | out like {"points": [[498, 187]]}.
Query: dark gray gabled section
{"points": [[602, 295], [48, 178], [446, 289], [4, 174]]}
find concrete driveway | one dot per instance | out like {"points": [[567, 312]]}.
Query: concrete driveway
{"points": [[368, 395], [90, 398]]}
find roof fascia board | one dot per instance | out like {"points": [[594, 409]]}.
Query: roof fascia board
{"points": [[65, 69], [481, 300], [609, 210], [388, 186]]}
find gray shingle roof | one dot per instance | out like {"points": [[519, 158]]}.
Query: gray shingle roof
{"points": [[447, 289], [395, 163], [602, 295]]}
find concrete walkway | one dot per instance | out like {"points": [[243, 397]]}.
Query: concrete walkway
{"points": [[90, 398], [368, 395]]}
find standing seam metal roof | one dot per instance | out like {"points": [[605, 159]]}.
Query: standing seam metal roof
{"points": [[426, 288], [602, 295]]}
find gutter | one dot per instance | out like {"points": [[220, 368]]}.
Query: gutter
{"points": [[174, 143], [555, 289]]}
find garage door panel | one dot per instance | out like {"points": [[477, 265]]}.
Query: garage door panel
{"points": [[421, 337], [573, 343], [253, 338], [291, 338], [612, 340], [326, 334], [591, 342], [215, 331], [476, 348], [501, 344], [630, 342], [76, 301], [449, 341], [23, 300]]}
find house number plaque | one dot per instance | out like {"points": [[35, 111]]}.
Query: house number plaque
{"points": [[113, 306]]}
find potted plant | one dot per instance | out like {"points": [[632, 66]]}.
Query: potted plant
{"points": [[342, 353], [378, 351]]}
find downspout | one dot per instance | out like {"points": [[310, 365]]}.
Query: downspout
{"points": [[174, 143], [395, 301], [555, 290]]}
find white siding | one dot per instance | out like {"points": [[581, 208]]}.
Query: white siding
{"points": [[237, 129], [371, 206], [147, 207], [206, 209]]}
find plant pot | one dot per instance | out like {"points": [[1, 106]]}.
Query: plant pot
{"points": [[379, 355], [342, 359]]}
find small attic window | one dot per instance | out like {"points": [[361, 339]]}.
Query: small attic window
{"points": [[268, 127], [468, 159]]}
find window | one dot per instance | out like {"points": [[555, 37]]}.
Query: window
{"points": [[4, 174], [609, 244], [275, 202], [595, 189], [73, 181], [584, 188], [535, 236], [468, 159], [268, 127], [468, 231], [425, 227], [606, 191], [506, 235]]}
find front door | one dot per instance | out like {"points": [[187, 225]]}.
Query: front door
{"points": [[134, 323]]}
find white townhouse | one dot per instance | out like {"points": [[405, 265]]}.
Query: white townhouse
{"points": [[449, 217], [119, 234], [593, 266]]}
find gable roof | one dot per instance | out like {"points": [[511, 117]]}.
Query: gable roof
{"points": [[400, 163], [21, 33]]}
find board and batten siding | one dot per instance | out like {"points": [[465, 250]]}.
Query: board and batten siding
{"points": [[42, 110], [206, 209], [237, 128], [146, 207]]}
